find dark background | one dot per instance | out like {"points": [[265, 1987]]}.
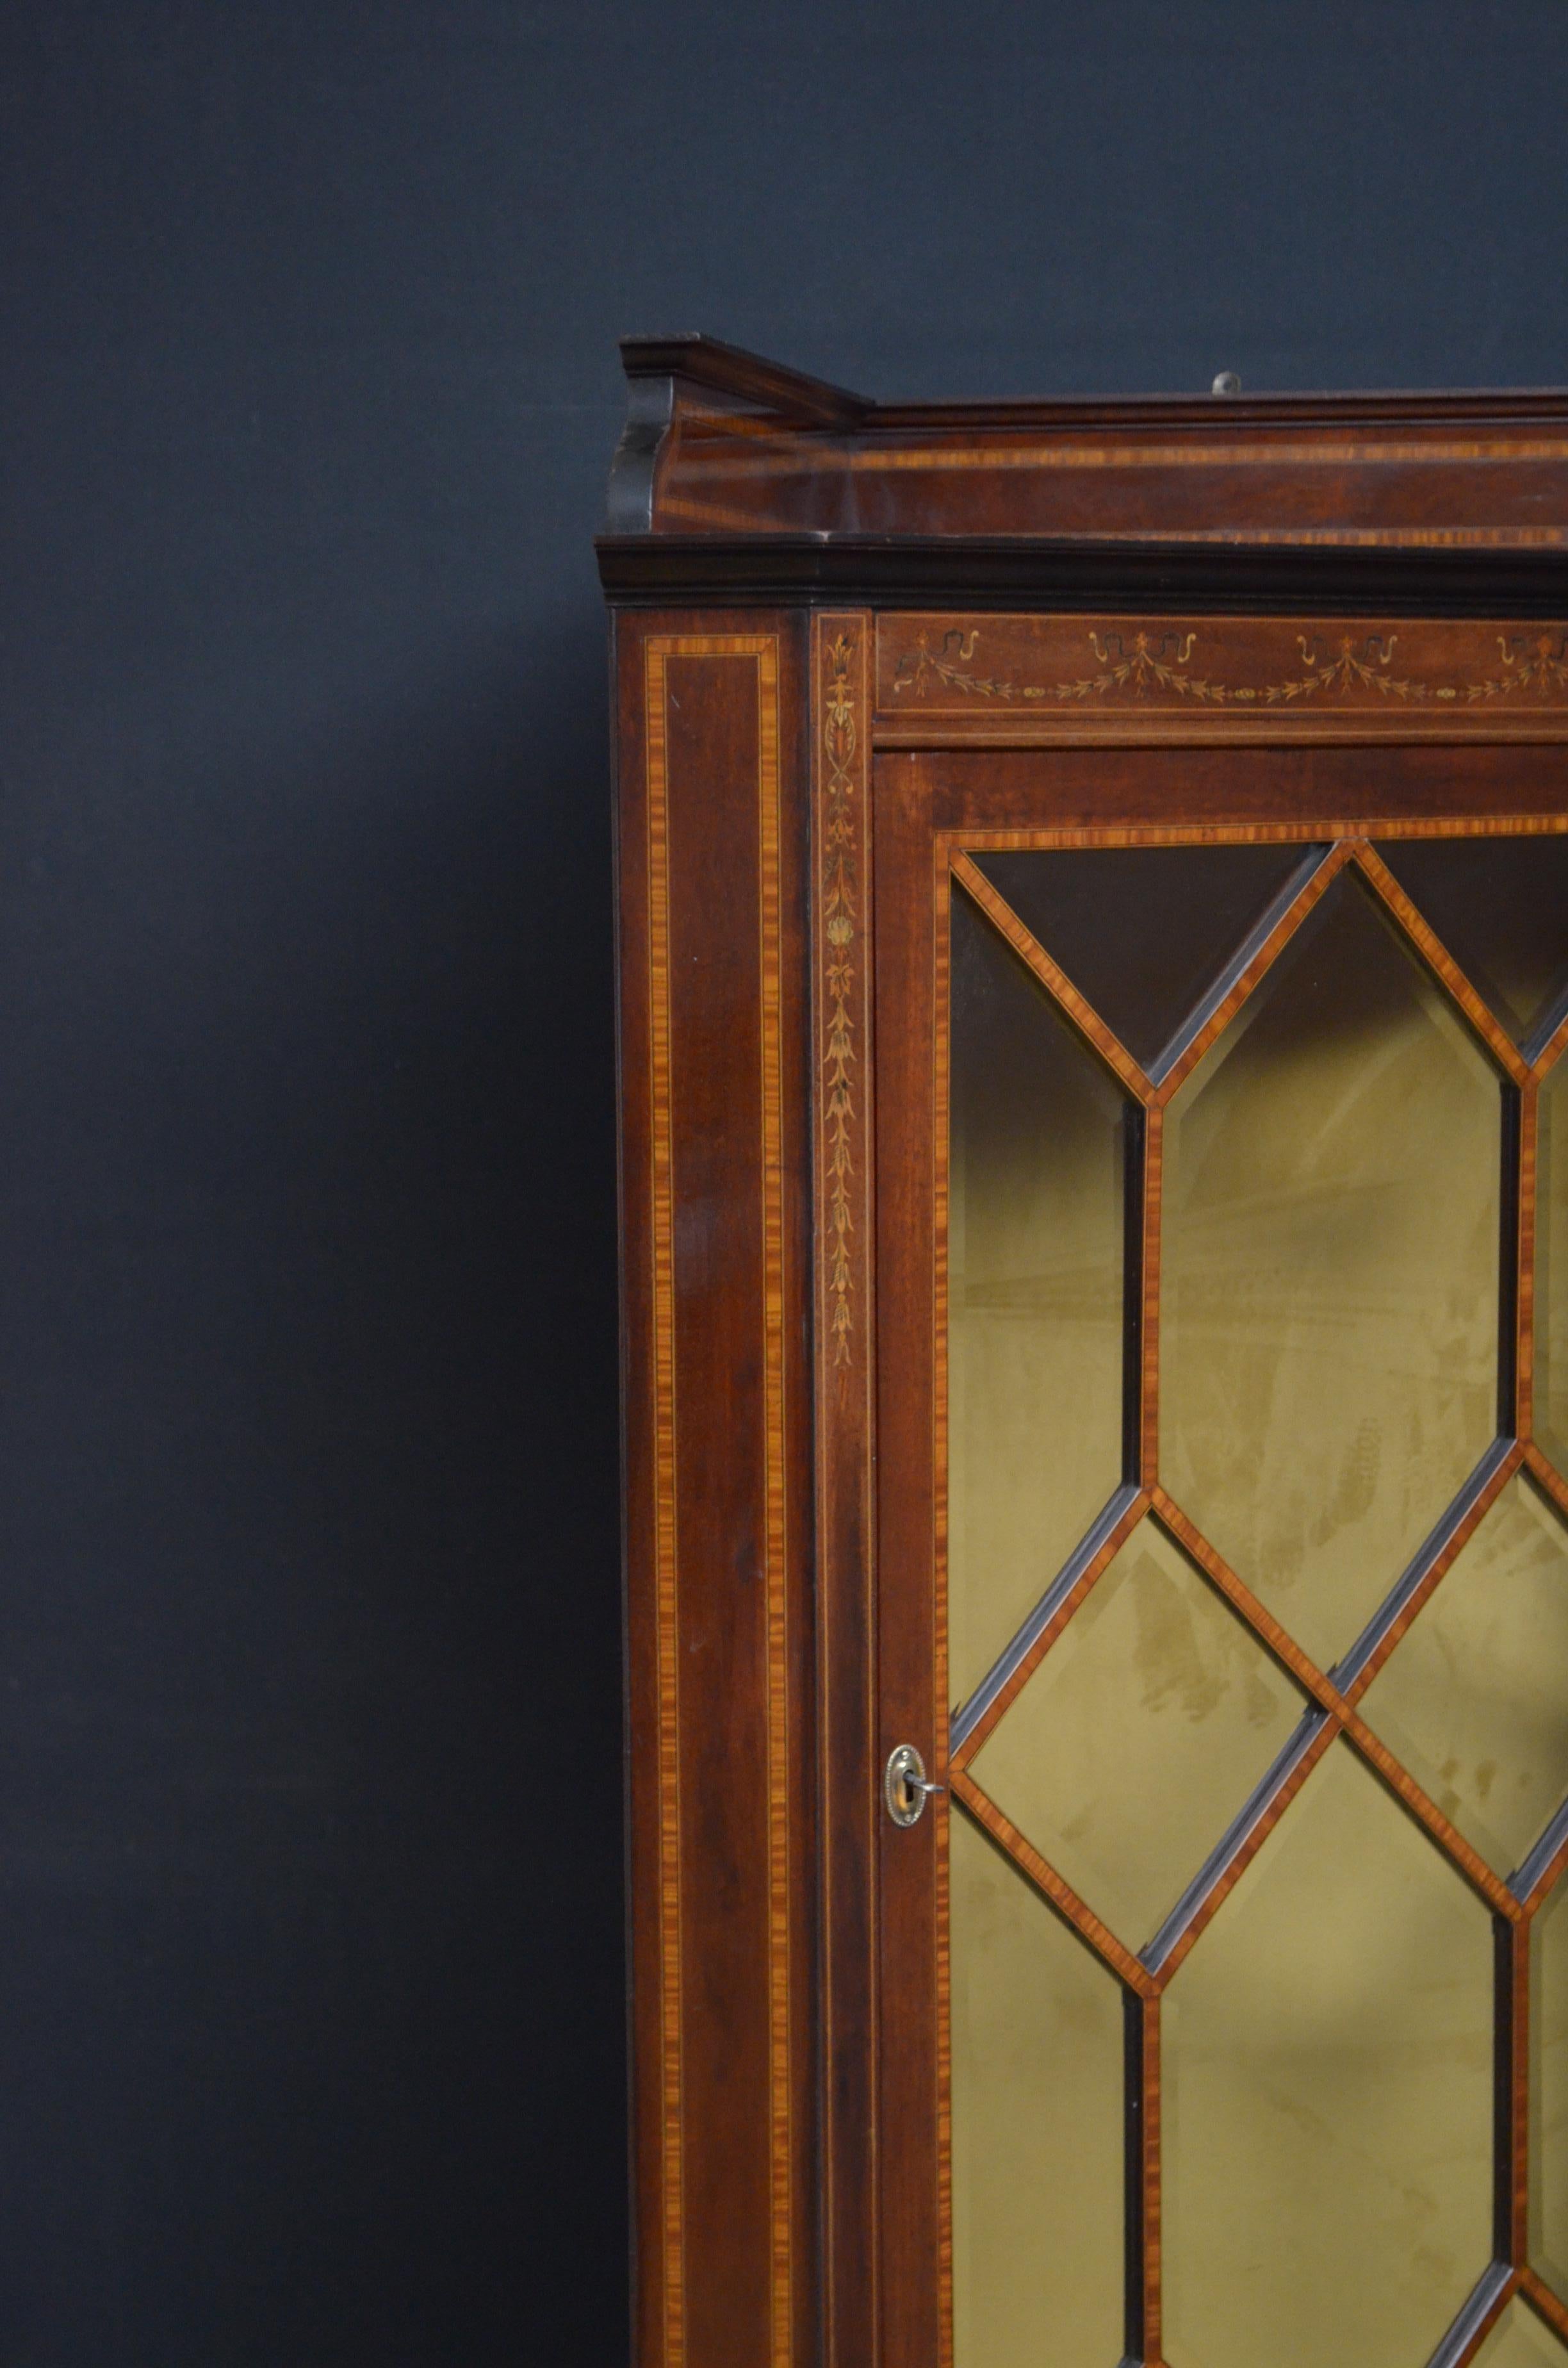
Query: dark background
{"points": [[310, 1885]]}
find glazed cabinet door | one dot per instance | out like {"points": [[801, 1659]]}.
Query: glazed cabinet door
{"points": [[1222, 1430]]}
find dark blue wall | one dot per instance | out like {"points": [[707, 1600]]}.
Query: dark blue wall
{"points": [[310, 1960]]}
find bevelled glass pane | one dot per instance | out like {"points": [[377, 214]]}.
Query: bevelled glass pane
{"points": [[1474, 1698], [1520, 2340], [1327, 2071], [1036, 1242], [1330, 1294], [1548, 2091], [1500, 906], [1143, 933], [1552, 1268], [1140, 1735], [1037, 2109]]}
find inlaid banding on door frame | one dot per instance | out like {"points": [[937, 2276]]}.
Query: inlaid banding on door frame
{"points": [[841, 958], [839, 659], [1331, 1696]]}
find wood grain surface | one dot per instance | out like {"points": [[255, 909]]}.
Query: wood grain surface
{"points": [[1327, 623]]}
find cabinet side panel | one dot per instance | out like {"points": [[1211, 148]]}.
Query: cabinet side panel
{"points": [[715, 1202]]}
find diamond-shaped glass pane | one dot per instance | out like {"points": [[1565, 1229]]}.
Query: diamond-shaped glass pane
{"points": [[1500, 906], [1549, 2098], [1327, 2067], [1144, 933], [1039, 2203], [1331, 1230], [1141, 1735], [1036, 1241], [1474, 1698], [1520, 2340], [1552, 1268]]}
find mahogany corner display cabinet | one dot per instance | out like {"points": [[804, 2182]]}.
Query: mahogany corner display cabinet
{"points": [[1094, 999]]}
